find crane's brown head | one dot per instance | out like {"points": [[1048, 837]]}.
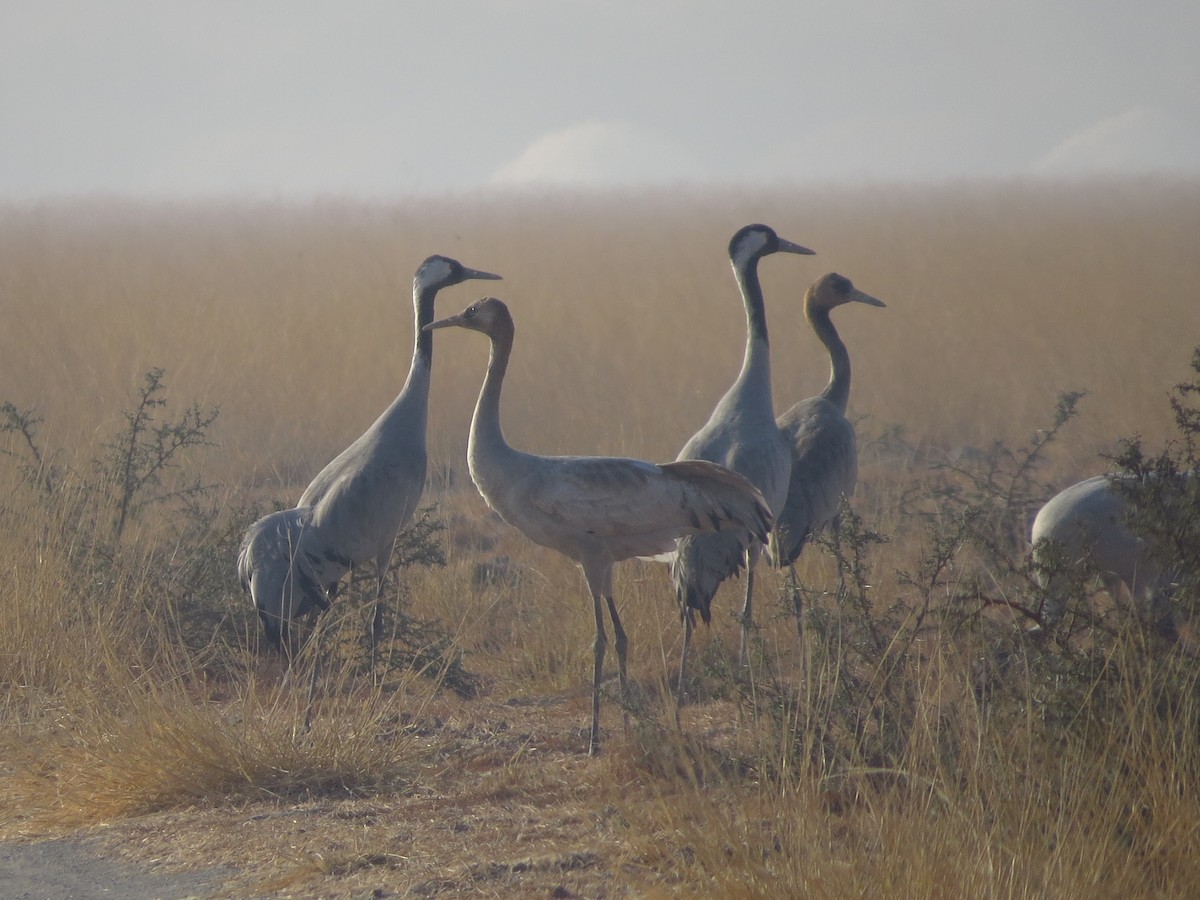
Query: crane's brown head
{"points": [[489, 315], [442, 271], [833, 290], [752, 242]]}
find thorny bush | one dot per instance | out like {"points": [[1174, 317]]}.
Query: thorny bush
{"points": [[181, 570]]}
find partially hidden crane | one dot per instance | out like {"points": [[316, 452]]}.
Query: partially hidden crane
{"points": [[291, 561], [1083, 529]]}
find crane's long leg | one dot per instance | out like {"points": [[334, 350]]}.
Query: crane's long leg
{"points": [[598, 574], [376, 628], [318, 665], [622, 644], [798, 606], [797, 600], [316, 637], [747, 616], [689, 625], [597, 672]]}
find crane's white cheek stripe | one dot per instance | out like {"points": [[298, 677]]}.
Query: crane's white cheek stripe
{"points": [[433, 273]]}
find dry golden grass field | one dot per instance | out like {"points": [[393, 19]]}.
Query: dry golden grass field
{"points": [[916, 743]]}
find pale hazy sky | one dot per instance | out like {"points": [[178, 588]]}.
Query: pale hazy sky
{"points": [[381, 99]]}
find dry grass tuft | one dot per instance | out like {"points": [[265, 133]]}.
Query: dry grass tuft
{"points": [[168, 749]]}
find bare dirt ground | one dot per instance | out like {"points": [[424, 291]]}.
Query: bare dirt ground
{"points": [[507, 804], [81, 868]]}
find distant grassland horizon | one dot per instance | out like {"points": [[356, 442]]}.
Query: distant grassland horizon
{"points": [[296, 319]]}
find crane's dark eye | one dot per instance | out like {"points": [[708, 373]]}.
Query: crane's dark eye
{"points": [[841, 284]]}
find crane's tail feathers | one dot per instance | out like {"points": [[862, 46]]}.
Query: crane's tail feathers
{"points": [[702, 562], [277, 575], [726, 499], [694, 599], [738, 516], [284, 594]]}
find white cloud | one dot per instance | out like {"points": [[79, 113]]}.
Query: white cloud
{"points": [[600, 154], [1141, 140]]}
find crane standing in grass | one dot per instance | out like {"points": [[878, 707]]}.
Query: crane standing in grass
{"points": [[822, 440], [291, 561], [741, 434], [595, 510]]}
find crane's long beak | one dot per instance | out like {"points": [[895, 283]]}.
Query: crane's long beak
{"points": [[861, 297], [476, 274], [449, 321], [786, 246]]}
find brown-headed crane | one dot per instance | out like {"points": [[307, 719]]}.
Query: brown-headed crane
{"points": [[824, 452]]}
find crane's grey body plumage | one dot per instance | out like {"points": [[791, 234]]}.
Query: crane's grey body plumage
{"points": [[741, 435], [353, 509], [603, 508], [594, 510], [824, 470], [821, 440]]}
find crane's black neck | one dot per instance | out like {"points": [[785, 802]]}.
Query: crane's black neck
{"points": [[837, 391], [756, 313], [424, 297]]}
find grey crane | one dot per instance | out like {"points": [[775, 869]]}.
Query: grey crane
{"points": [[291, 561], [741, 435], [1083, 527], [594, 510], [822, 440]]}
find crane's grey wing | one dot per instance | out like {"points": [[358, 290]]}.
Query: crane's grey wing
{"points": [[353, 459], [362, 502], [637, 508], [824, 470]]}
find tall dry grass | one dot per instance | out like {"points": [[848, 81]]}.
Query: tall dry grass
{"points": [[628, 322], [296, 321]]}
